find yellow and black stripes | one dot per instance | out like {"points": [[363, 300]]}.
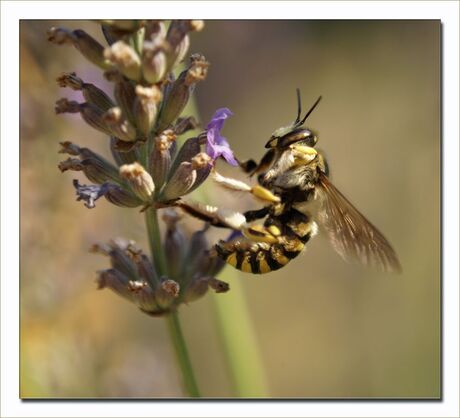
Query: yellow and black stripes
{"points": [[268, 248]]}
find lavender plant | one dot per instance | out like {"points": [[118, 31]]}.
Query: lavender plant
{"points": [[150, 172]]}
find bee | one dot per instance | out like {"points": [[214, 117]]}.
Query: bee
{"points": [[299, 199]]}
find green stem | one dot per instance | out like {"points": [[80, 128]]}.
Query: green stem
{"points": [[175, 331], [156, 249], [177, 338]]}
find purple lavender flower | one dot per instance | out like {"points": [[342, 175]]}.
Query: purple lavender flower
{"points": [[216, 145]]}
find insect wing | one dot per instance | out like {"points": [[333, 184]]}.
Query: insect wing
{"points": [[351, 234]]}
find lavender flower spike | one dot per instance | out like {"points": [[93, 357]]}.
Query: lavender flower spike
{"points": [[216, 145]]}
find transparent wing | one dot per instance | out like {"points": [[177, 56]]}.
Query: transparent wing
{"points": [[351, 234]]}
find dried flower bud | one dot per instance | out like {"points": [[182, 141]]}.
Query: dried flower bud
{"points": [[147, 271], [180, 92], [91, 93], [118, 125], [60, 36], [140, 180], [120, 260], [180, 182], [218, 285], [166, 293], [138, 292], [97, 169], [121, 197], [154, 62], [175, 243], [125, 58], [125, 26], [155, 31], [178, 39], [87, 45], [124, 93], [197, 255], [145, 107], [160, 157], [184, 125], [122, 157], [90, 113], [197, 288]]}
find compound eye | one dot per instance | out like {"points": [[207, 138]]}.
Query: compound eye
{"points": [[311, 140]]}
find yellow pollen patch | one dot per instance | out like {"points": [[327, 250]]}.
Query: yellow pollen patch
{"points": [[231, 259], [264, 194], [274, 230], [303, 153]]}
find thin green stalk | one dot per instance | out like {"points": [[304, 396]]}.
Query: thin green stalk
{"points": [[156, 249], [174, 327], [175, 331]]}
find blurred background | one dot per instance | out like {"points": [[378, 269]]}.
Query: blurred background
{"points": [[325, 328]]}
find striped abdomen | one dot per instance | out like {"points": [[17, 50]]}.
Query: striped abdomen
{"points": [[266, 249]]}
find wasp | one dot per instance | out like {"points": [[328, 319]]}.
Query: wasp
{"points": [[299, 199]]}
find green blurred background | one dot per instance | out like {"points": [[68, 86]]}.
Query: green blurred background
{"points": [[325, 328]]}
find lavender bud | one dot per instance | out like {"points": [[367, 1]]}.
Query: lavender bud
{"points": [[92, 50], [197, 288], [154, 63], [91, 93], [180, 92], [197, 256], [125, 26], [125, 58], [121, 158], [178, 39], [60, 36], [120, 197], [90, 113], [180, 182], [124, 93], [118, 125], [115, 281], [147, 271], [167, 293], [190, 148], [184, 125], [218, 285], [122, 262], [161, 157], [155, 32], [140, 180], [145, 107], [175, 242], [87, 45], [69, 148], [97, 169]]}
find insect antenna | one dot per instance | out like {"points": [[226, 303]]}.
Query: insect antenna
{"points": [[300, 123], [299, 107]]}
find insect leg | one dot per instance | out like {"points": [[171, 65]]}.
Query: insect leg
{"points": [[251, 167], [236, 185]]}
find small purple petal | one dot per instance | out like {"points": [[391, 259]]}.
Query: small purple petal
{"points": [[216, 145], [90, 193], [217, 120]]}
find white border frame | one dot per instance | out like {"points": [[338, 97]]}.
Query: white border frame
{"points": [[12, 12]]}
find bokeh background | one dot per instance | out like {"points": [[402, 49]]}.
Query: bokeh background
{"points": [[324, 328]]}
